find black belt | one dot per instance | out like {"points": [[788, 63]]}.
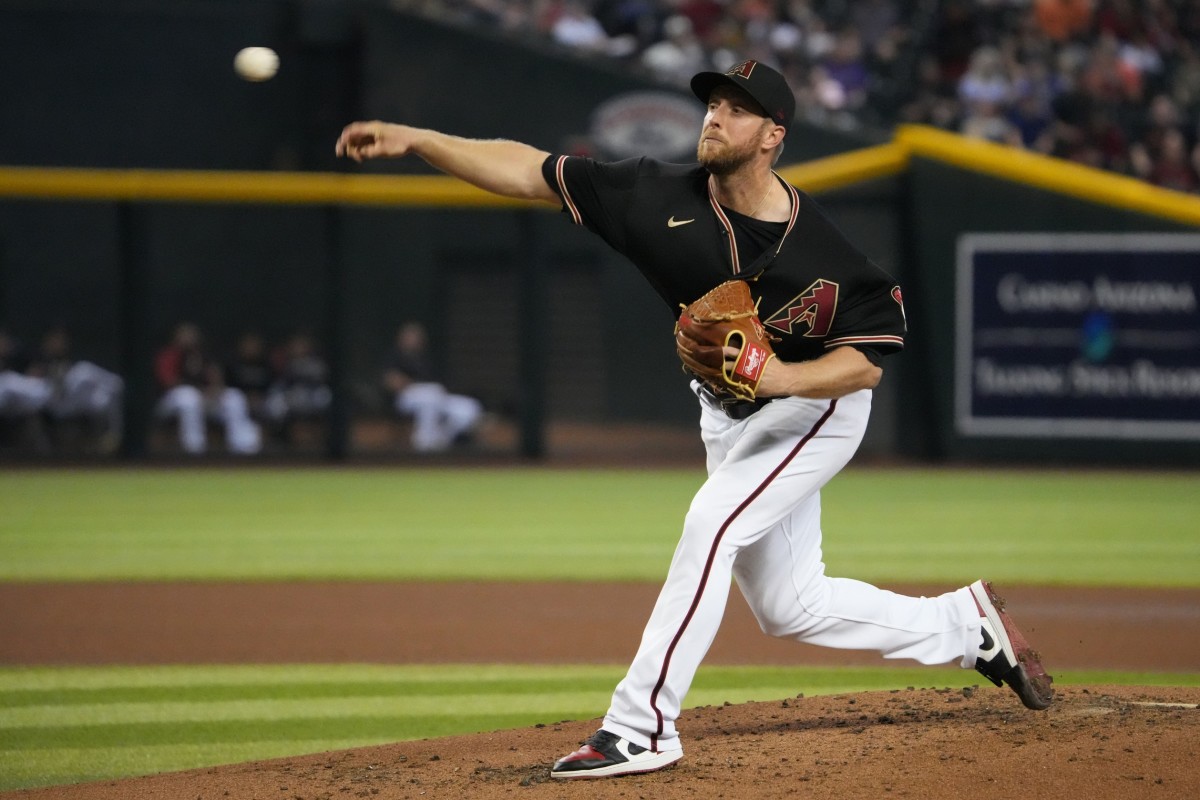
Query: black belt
{"points": [[734, 408]]}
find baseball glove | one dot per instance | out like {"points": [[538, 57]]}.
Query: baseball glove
{"points": [[725, 317]]}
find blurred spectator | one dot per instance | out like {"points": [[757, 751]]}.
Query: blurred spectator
{"points": [[1035, 86], [1062, 19], [986, 120], [81, 389], [635, 22], [955, 37], [250, 371], [1109, 79], [1119, 18], [1029, 117], [1184, 81], [301, 390], [932, 103], [22, 393], [876, 21], [677, 57], [574, 26], [194, 391], [706, 17], [845, 66], [439, 417], [1169, 165], [986, 79], [1162, 116], [1069, 142]]}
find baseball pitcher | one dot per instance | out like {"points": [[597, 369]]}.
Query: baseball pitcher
{"points": [[784, 326]]}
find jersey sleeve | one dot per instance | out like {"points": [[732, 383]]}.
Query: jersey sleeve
{"points": [[873, 354], [595, 194], [875, 323]]}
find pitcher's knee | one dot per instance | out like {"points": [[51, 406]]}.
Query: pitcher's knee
{"points": [[789, 614], [701, 528]]}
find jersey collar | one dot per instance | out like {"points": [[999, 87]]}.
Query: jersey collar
{"points": [[734, 261]]}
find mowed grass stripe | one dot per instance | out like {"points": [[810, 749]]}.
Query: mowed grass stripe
{"points": [[396, 706], [18, 679], [274, 708], [915, 525], [72, 686], [303, 692], [49, 753], [382, 727], [370, 718], [59, 765], [66, 686]]}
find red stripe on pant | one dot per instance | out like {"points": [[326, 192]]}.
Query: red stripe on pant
{"points": [[712, 554]]}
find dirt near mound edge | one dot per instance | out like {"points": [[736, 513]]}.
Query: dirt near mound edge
{"points": [[1100, 743]]}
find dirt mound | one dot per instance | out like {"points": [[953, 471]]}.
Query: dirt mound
{"points": [[1099, 743]]}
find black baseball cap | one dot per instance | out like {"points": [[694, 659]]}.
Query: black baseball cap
{"points": [[765, 85]]}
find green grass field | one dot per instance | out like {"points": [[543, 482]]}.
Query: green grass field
{"points": [[538, 524], [63, 725], [72, 725]]}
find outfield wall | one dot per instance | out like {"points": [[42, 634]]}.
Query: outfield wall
{"points": [[142, 86], [534, 316], [1126, 254]]}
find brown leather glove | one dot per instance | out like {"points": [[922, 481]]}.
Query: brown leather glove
{"points": [[725, 317]]}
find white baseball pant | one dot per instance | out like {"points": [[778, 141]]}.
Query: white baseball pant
{"points": [[92, 391], [21, 395], [192, 407], [758, 518], [438, 416]]}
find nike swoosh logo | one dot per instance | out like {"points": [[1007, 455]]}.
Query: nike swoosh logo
{"points": [[675, 223]]}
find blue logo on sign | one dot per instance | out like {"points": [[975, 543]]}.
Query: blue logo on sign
{"points": [[1098, 336]]}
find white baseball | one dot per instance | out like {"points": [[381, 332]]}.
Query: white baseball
{"points": [[256, 63]]}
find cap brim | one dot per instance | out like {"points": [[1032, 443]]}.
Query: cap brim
{"points": [[704, 82]]}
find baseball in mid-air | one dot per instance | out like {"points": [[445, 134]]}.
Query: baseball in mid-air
{"points": [[256, 63]]}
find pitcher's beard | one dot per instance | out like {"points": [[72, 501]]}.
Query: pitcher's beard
{"points": [[725, 159]]}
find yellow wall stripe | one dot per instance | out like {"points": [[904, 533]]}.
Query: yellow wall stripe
{"points": [[439, 191], [1052, 174], [246, 187], [845, 169]]}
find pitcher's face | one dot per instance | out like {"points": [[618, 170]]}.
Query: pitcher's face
{"points": [[734, 131]]}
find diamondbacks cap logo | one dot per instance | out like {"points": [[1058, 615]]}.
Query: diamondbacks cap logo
{"points": [[743, 69], [813, 308]]}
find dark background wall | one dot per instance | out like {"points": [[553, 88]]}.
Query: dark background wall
{"points": [[139, 84], [148, 85]]}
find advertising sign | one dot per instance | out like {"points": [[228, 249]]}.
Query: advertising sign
{"points": [[1078, 335]]}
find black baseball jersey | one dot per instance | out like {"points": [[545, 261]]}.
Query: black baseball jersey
{"points": [[815, 290]]}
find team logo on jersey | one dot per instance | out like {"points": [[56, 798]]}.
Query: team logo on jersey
{"points": [[813, 308], [899, 298]]}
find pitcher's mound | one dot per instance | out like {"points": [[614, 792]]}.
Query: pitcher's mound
{"points": [[1096, 743]]}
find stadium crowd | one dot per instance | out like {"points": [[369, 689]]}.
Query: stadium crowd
{"points": [[53, 401], [259, 394], [1114, 84]]}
